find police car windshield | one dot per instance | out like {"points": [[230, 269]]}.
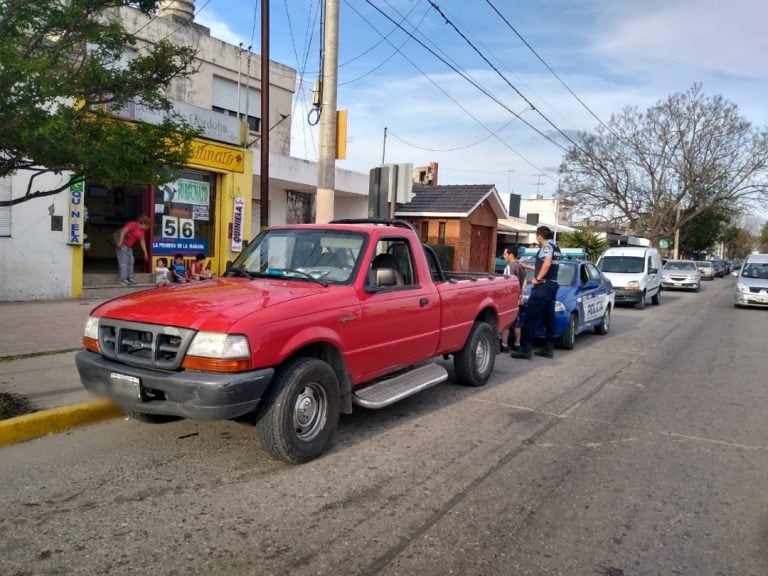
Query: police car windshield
{"points": [[621, 264]]}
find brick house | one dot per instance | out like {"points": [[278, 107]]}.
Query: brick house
{"points": [[464, 217]]}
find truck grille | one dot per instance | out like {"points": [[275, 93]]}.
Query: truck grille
{"points": [[145, 345]]}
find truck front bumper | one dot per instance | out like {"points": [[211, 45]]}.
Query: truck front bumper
{"points": [[188, 394]]}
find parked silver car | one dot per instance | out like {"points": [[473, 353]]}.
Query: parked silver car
{"points": [[706, 269], [752, 283], [681, 274]]}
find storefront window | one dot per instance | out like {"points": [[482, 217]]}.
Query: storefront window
{"points": [[184, 215]]}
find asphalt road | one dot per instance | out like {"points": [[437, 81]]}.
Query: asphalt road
{"points": [[638, 453]]}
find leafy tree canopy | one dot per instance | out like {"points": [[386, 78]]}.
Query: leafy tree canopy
{"points": [[657, 170], [703, 231], [63, 67]]}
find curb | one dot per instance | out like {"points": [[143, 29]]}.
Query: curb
{"points": [[46, 422]]}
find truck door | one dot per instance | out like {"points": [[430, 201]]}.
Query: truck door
{"points": [[400, 309]]}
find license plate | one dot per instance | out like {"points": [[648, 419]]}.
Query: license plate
{"points": [[126, 386]]}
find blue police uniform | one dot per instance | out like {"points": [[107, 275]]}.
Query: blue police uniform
{"points": [[541, 303]]}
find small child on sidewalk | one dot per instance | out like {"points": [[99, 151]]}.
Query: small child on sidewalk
{"points": [[196, 270], [162, 273], [178, 270]]}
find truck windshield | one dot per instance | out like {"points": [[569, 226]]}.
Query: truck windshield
{"points": [[311, 254], [621, 264]]}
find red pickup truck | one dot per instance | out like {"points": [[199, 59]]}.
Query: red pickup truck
{"points": [[309, 320]]}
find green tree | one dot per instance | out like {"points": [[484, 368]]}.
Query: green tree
{"points": [[63, 67], [590, 242], [655, 171], [764, 238], [703, 231]]}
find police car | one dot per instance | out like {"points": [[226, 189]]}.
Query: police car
{"points": [[585, 299]]}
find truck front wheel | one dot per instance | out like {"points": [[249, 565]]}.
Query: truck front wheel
{"points": [[474, 363], [299, 417]]}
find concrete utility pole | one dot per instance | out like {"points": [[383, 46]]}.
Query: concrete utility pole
{"points": [[264, 122], [326, 161]]}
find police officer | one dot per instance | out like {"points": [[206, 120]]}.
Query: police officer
{"points": [[541, 304]]}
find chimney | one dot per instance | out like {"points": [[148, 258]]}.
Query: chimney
{"points": [[177, 10]]}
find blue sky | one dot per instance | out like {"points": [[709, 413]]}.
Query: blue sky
{"points": [[610, 53]]}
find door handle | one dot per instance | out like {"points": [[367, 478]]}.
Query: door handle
{"points": [[423, 302]]}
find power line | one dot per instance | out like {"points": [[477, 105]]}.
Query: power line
{"points": [[506, 80], [394, 53], [451, 98], [491, 135], [548, 67], [471, 81]]}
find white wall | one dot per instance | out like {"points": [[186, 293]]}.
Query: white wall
{"points": [[35, 262]]}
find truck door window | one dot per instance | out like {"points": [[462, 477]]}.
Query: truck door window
{"points": [[394, 254]]}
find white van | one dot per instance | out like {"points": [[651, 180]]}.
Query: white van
{"points": [[635, 272]]}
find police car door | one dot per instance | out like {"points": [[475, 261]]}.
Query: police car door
{"points": [[594, 294]]}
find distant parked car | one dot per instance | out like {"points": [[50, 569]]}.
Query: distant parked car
{"points": [[681, 274], [706, 269], [719, 268]]}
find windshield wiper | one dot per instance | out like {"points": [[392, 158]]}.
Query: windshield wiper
{"points": [[285, 273], [239, 271]]}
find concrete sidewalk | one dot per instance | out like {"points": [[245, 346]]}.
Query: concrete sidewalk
{"points": [[38, 341]]}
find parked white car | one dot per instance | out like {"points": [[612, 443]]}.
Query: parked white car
{"points": [[752, 282]]}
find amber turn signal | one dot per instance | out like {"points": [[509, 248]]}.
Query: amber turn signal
{"points": [[216, 364], [91, 344]]}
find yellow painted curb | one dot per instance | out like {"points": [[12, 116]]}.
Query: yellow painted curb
{"points": [[56, 420]]}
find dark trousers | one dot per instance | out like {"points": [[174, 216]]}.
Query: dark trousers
{"points": [[540, 307]]}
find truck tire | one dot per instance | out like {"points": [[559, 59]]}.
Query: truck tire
{"points": [[152, 418], [656, 299], [640, 305], [568, 338], [605, 324], [298, 418], [474, 363]]}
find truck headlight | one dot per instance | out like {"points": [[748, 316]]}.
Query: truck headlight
{"points": [[634, 285], [91, 335], [559, 306], [218, 352]]}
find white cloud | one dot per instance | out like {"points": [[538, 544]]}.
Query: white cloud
{"points": [[219, 28]]}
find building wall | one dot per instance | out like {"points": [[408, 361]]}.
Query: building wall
{"points": [[35, 261], [218, 58]]}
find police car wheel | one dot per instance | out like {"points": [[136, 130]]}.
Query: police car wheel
{"points": [[605, 324], [474, 363], [568, 339]]}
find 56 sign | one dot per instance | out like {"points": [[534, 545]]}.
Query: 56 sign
{"points": [[174, 227]]}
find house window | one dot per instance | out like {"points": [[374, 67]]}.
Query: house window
{"points": [[441, 233], [425, 231], [225, 101], [5, 211]]}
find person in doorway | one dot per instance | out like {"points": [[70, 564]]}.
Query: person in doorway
{"points": [[514, 268], [162, 273], [178, 270], [129, 235], [197, 269], [541, 303]]}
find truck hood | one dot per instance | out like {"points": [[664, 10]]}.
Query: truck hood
{"points": [[210, 305]]}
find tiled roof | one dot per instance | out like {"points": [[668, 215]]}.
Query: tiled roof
{"points": [[459, 199]]}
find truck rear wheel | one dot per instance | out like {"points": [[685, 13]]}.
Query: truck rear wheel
{"points": [[298, 419], [474, 363]]}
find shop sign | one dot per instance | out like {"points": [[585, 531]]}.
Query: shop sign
{"points": [[164, 246], [214, 125], [215, 156], [184, 191], [237, 225], [76, 213]]}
